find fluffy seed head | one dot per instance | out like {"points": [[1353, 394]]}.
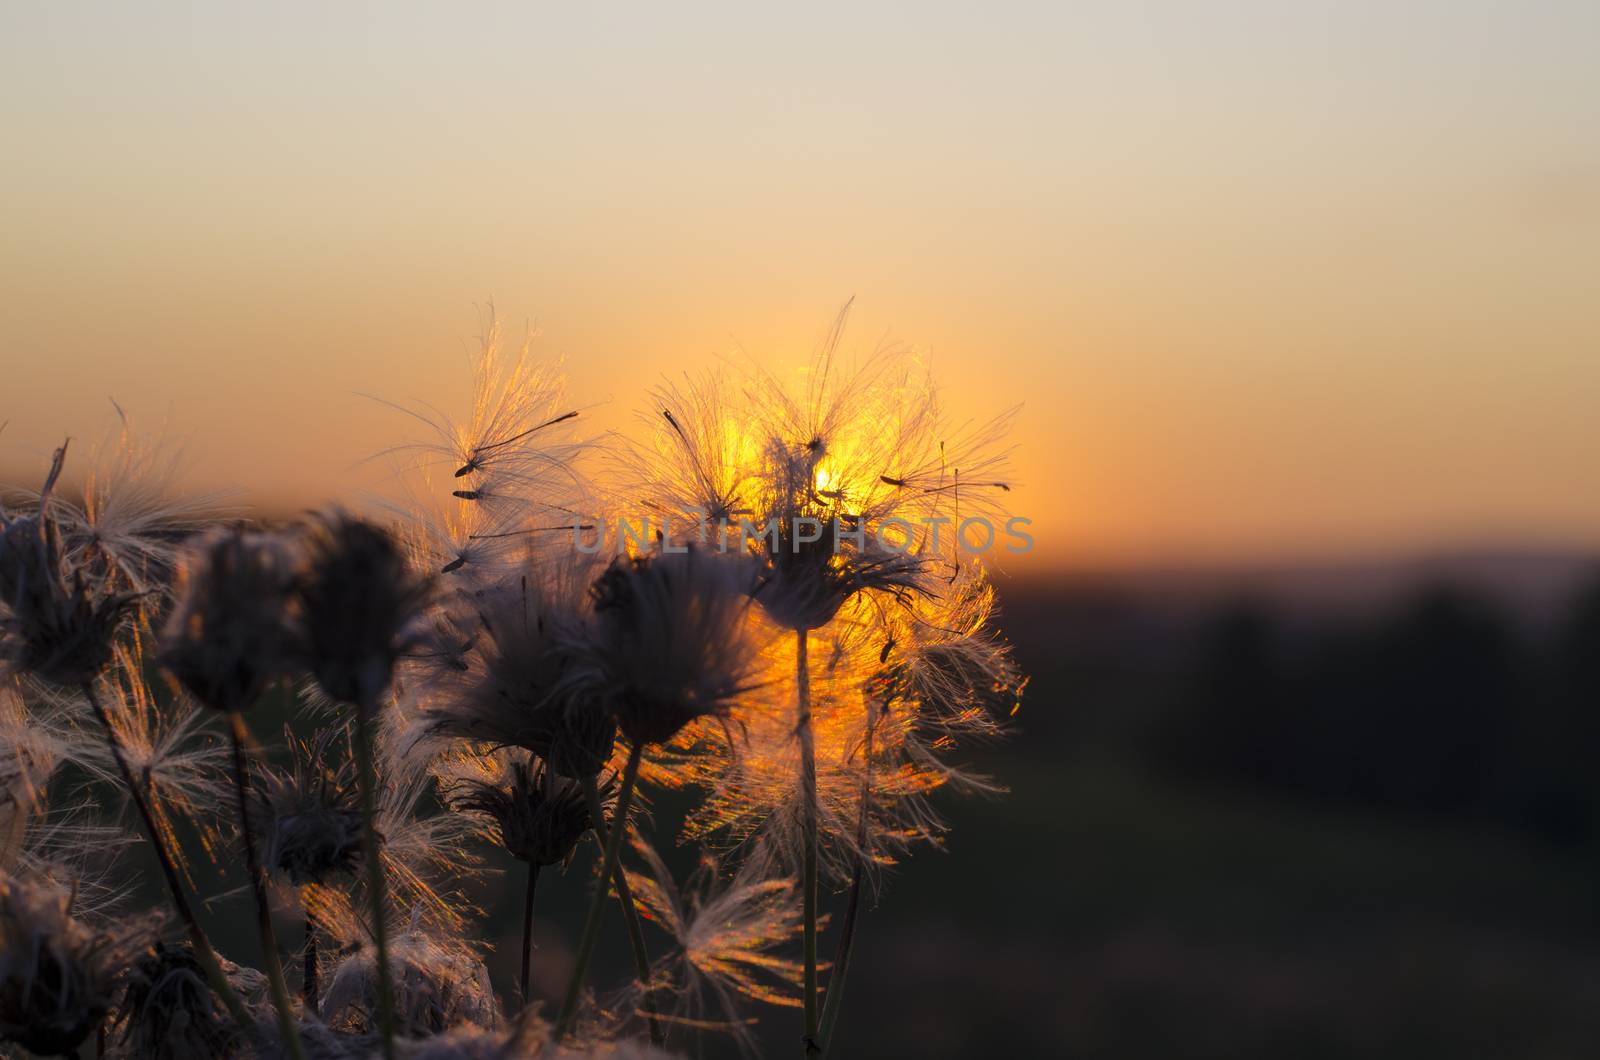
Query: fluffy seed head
{"points": [[671, 642], [169, 1012], [310, 815], [226, 639], [55, 622], [439, 984], [807, 582], [357, 600], [57, 975], [731, 933], [518, 689], [310, 846], [537, 818]]}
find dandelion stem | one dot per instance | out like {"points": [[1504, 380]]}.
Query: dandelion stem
{"points": [[308, 982], [833, 999], [372, 854], [258, 884], [630, 912], [591, 927], [527, 929], [808, 808], [180, 901]]}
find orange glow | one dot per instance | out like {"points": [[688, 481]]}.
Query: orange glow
{"points": [[1250, 315]]}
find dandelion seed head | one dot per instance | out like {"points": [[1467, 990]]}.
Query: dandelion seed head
{"points": [[357, 602], [132, 517], [309, 813], [959, 673], [57, 974], [538, 819], [515, 454], [56, 622], [670, 642], [227, 637], [168, 1011], [732, 932], [697, 462], [439, 984], [882, 745], [168, 746], [807, 582], [426, 854], [311, 845], [519, 687]]}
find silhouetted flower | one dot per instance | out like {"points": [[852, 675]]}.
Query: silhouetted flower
{"points": [[536, 818], [309, 815], [226, 639], [57, 975], [357, 601], [56, 622], [731, 934], [670, 642], [519, 689], [168, 1010], [439, 984], [807, 581]]}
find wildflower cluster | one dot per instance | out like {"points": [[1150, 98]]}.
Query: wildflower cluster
{"points": [[467, 694]]}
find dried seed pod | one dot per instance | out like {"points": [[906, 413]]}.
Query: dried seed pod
{"points": [[169, 1012], [57, 975], [58, 623], [357, 601], [670, 642], [538, 818], [309, 814], [522, 687], [227, 637], [439, 984]]}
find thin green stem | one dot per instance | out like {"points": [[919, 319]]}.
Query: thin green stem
{"points": [[630, 914], [808, 809], [258, 883], [597, 907], [180, 901], [372, 854], [527, 929]]}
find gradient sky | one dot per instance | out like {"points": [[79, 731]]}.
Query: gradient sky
{"points": [[1273, 279]]}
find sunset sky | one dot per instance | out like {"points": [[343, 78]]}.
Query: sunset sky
{"points": [[1272, 280]]}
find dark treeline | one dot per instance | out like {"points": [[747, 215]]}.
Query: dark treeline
{"points": [[1447, 705]]}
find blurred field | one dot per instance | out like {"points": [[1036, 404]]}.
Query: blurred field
{"points": [[1105, 913], [1183, 869]]}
